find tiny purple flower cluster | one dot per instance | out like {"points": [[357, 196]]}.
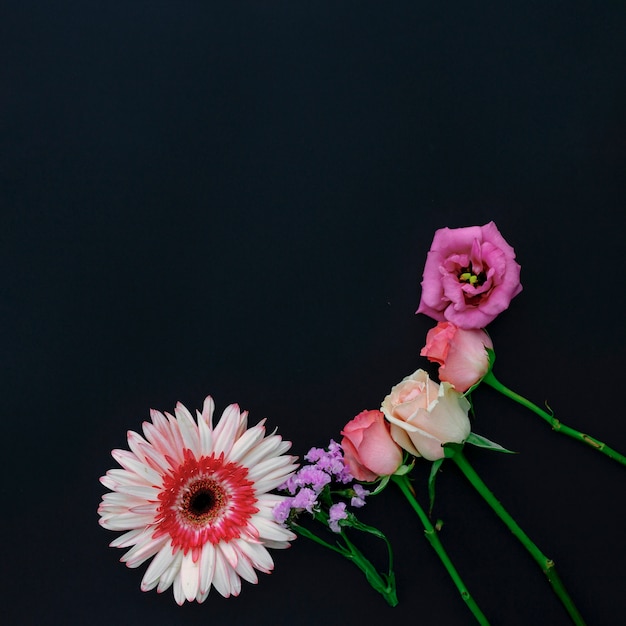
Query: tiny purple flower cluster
{"points": [[358, 500], [336, 513], [330, 461], [309, 481]]}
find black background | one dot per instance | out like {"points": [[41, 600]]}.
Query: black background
{"points": [[237, 199]]}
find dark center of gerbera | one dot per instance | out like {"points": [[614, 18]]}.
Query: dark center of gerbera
{"points": [[202, 501]]}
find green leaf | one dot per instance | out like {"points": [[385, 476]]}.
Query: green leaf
{"points": [[434, 470], [483, 442]]}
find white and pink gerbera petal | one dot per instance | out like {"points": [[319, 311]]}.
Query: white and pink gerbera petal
{"points": [[193, 498]]}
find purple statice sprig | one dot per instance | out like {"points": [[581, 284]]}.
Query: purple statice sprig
{"points": [[330, 461], [325, 489], [310, 488]]}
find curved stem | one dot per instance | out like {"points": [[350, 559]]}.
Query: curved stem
{"points": [[433, 538], [374, 531], [305, 532], [492, 381], [387, 588], [385, 585], [546, 564]]}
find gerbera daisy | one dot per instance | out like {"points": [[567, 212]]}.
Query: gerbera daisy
{"points": [[196, 498]]}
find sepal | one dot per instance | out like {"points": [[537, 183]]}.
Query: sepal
{"points": [[434, 470], [491, 355], [482, 442]]}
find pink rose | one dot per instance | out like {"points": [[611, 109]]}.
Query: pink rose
{"points": [[425, 415], [470, 276], [461, 354], [368, 449]]}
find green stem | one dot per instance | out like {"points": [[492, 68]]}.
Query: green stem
{"points": [[596, 444], [386, 586], [305, 532], [374, 531], [546, 564], [433, 538]]}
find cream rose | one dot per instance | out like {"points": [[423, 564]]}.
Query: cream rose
{"points": [[424, 415]]}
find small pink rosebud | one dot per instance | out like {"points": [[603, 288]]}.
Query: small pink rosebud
{"points": [[461, 354], [368, 449]]}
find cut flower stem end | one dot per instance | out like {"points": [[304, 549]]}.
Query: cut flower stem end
{"points": [[556, 424], [432, 536], [546, 564]]}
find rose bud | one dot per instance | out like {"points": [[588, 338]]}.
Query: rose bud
{"points": [[461, 354], [368, 449]]}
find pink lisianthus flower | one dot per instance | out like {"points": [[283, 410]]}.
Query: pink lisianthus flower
{"points": [[368, 449], [461, 354], [470, 276]]}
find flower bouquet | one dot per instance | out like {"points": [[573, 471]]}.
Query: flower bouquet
{"points": [[206, 502]]}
